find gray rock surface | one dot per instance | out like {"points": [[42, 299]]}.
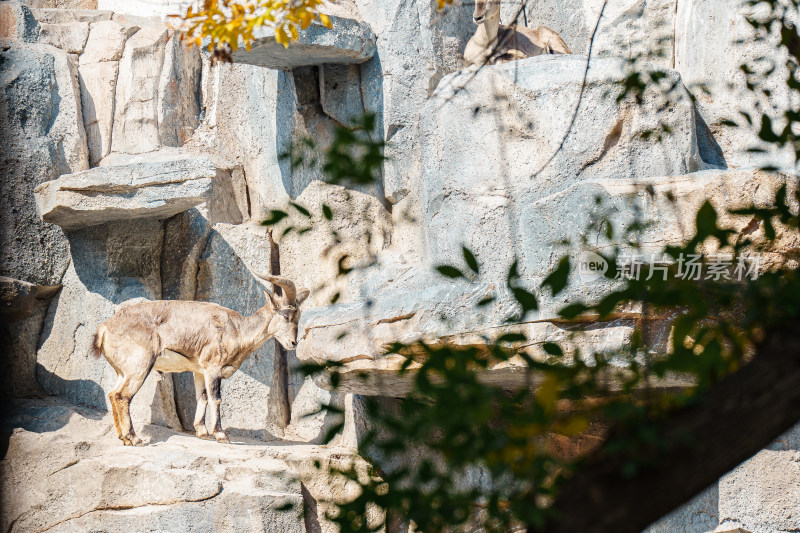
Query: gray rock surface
{"points": [[350, 41], [136, 97], [44, 138], [407, 303], [177, 483], [98, 83], [106, 41], [493, 149], [156, 189], [70, 37], [17, 298], [759, 496], [17, 22], [67, 14]]}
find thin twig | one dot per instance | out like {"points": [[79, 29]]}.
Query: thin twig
{"points": [[580, 96]]}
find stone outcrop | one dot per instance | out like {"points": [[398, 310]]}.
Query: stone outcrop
{"points": [[160, 167], [17, 298], [44, 138], [152, 189], [405, 303], [178, 482], [352, 41]]}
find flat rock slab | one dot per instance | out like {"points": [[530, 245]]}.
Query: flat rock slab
{"points": [[416, 305], [66, 471], [349, 41], [142, 189]]}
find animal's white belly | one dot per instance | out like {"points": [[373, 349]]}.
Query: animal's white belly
{"points": [[170, 361]]}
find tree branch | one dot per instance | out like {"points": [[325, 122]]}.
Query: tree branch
{"points": [[738, 417]]}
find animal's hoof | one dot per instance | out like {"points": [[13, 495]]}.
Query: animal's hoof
{"points": [[136, 441], [201, 432], [222, 438]]}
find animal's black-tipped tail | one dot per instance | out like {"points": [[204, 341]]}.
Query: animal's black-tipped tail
{"points": [[97, 345]]}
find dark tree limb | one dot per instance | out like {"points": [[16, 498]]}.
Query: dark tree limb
{"points": [[278, 403], [739, 416]]}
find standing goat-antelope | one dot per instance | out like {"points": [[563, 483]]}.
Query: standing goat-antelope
{"points": [[497, 43], [200, 337]]}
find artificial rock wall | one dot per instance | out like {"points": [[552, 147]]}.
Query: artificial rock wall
{"points": [[136, 169]]}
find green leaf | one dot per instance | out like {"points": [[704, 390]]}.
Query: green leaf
{"points": [[472, 263], [552, 349], [485, 301], [511, 337], [526, 299], [558, 278], [573, 310], [326, 212], [302, 210], [512, 273], [275, 216], [449, 271], [706, 221]]}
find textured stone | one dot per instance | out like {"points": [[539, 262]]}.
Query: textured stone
{"points": [[713, 73], [178, 110], [98, 83], [70, 37], [340, 93], [66, 14], [113, 264], [157, 189], [417, 45], [78, 5], [177, 483], [759, 496], [17, 298], [17, 22], [106, 41], [487, 161], [406, 303], [43, 137], [136, 100], [245, 104], [146, 8], [350, 41]]}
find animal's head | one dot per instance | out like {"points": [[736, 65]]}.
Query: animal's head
{"points": [[285, 308], [485, 10]]}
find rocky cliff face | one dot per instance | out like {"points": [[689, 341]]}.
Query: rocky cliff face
{"points": [[135, 169]]}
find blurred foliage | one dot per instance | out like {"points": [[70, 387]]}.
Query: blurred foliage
{"points": [[458, 454], [225, 25]]}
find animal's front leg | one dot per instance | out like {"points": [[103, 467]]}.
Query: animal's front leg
{"points": [[202, 401], [213, 384]]}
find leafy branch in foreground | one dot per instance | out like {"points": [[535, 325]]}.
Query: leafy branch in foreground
{"points": [[226, 25]]}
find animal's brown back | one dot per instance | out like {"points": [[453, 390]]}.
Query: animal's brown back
{"points": [[182, 326], [544, 36]]}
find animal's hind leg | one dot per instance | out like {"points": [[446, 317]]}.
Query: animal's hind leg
{"points": [[114, 407], [124, 394], [202, 401]]}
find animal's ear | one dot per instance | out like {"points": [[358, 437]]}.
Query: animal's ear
{"points": [[302, 294], [270, 301]]}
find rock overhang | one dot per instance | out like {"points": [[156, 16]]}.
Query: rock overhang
{"points": [[141, 189], [349, 41]]}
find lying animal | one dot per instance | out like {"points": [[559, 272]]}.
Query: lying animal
{"points": [[200, 337], [495, 43]]}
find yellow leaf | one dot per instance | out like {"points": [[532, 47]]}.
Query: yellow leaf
{"points": [[325, 20], [548, 393], [571, 427], [281, 37]]}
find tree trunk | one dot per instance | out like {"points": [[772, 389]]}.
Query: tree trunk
{"points": [[278, 404], [738, 417]]}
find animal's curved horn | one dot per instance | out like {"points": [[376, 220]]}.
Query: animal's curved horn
{"points": [[289, 289]]}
